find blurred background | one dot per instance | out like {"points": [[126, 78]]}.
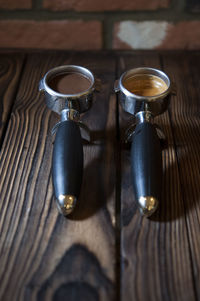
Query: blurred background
{"points": [[100, 24]]}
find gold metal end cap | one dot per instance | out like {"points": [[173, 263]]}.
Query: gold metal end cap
{"points": [[66, 203], [147, 205]]}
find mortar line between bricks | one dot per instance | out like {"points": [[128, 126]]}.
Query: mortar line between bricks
{"points": [[177, 6], [108, 25], [181, 5], [103, 35], [37, 4], [170, 15]]}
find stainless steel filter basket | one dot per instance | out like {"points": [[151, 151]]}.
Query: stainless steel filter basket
{"points": [[133, 103], [81, 102]]}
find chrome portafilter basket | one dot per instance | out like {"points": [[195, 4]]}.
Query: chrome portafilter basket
{"points": [[67, 161], [146, 155]]}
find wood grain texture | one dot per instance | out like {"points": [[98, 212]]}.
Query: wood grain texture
{"points": [[155, 252], [184, 112], [10, 70], [43, 255]]}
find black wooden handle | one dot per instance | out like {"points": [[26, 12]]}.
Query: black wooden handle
{"points": [[146, 161], [67, 165]]}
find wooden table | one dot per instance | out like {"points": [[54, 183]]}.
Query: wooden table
{"points": [[105, 250]]}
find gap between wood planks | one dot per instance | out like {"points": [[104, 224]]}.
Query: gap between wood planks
{"points": [[118, 193], [24, 60]]}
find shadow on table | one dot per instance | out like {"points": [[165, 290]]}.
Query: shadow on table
{"points": [[99, 175], [180, 194], [178, 183], [99, 180]]}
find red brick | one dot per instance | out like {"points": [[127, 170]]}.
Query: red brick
{"points": [[156, 35], [15, 4], [184, 35], [105, 5], [51, 35]]}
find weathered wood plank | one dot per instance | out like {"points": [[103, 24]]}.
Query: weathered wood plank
{"points": [[184, 112], [10, 70], [45, 256], [155, 252]]}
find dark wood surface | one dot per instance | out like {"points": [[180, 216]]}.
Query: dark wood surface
{"points": [[10, 71], [105, 250]]}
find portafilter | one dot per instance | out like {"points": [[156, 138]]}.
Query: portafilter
{"points": [[145, 93], [69, 92]]}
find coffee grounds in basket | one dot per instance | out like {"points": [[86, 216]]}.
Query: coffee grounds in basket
{"points": [[145, 85], [69, 83]]}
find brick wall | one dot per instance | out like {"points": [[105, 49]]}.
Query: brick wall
{"points": [[100, 24]]}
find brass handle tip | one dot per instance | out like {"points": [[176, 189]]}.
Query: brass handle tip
{"points": [[66, 204], [147, 205]]}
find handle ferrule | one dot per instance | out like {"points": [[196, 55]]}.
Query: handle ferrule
{"points": [[70, 114]]}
